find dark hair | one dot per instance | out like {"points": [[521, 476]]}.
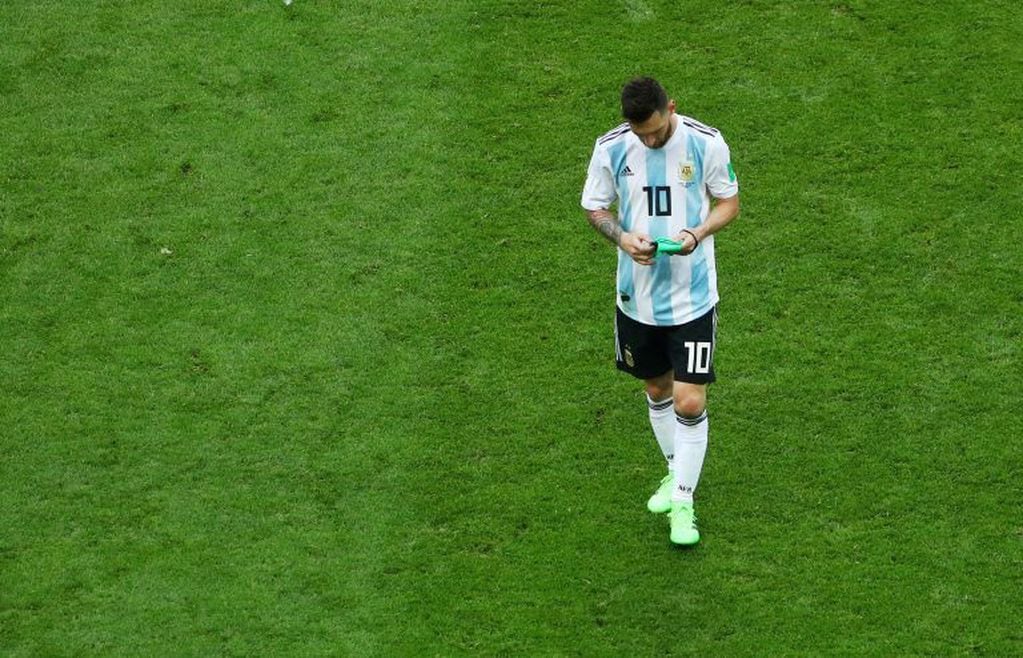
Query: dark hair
{"points": [[641, 97]]}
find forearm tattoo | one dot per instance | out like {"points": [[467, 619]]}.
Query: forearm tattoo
{"points": [[607, 226]]}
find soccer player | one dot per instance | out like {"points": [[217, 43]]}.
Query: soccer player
{"points": [[671, 177]]}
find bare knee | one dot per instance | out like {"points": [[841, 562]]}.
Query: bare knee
{"points": [[660, 388], [690, 400]]}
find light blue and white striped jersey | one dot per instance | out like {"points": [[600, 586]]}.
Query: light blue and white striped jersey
{"points": [[659, 193]]}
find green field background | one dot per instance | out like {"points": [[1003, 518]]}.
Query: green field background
{"points": [[306, 345]]}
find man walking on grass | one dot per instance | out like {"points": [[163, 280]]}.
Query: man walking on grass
{"points": [[671, 177]]}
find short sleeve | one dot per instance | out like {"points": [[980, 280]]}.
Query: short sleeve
{"points": [[599, 192], [719, 174]]}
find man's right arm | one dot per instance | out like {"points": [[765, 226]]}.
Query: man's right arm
{"points": [[599, 194], [605, 223], [639, 247]]}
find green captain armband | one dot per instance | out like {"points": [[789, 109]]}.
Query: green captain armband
{"points": [[668, 246]]}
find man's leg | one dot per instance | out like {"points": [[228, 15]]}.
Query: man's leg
{"points": [[662, 419], [659, 391], [642, 351], [690, 449], [690, 440]]}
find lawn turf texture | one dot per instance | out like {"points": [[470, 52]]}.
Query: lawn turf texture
{"points": [[307, 344]]}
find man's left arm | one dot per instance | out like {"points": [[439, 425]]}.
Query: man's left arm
{"points": [[722, 187], [723, 212]]}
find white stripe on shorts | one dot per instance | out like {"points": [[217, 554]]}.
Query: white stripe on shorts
{"points": [[618, 345]]}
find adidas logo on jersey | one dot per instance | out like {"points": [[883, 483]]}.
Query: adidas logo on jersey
{"points": [[627, 171]]}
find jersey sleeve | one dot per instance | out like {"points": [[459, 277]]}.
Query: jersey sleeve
{"points": [[719, 175], [599, 192]]}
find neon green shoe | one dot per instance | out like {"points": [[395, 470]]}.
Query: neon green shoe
{"points": [[660, 502], [683, 524]]}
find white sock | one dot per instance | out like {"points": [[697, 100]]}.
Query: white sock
{"points": [[662, 419], [690, 448]]}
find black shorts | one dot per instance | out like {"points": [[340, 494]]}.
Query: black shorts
{"points": [[646, 351]]}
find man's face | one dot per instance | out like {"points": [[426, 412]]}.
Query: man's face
{"points": [[655, 131]]}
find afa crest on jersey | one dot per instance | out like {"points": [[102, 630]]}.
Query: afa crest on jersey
{"points": [[686, 173]]}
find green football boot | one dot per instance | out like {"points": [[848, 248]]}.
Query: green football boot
{"points": [[660, 502], [683, 524]]}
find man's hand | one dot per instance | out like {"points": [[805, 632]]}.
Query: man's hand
{"points": [[640, 247], [724, 211], [688, 242]]}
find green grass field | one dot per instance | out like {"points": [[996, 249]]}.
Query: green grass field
{"points": [[307, 350]]}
